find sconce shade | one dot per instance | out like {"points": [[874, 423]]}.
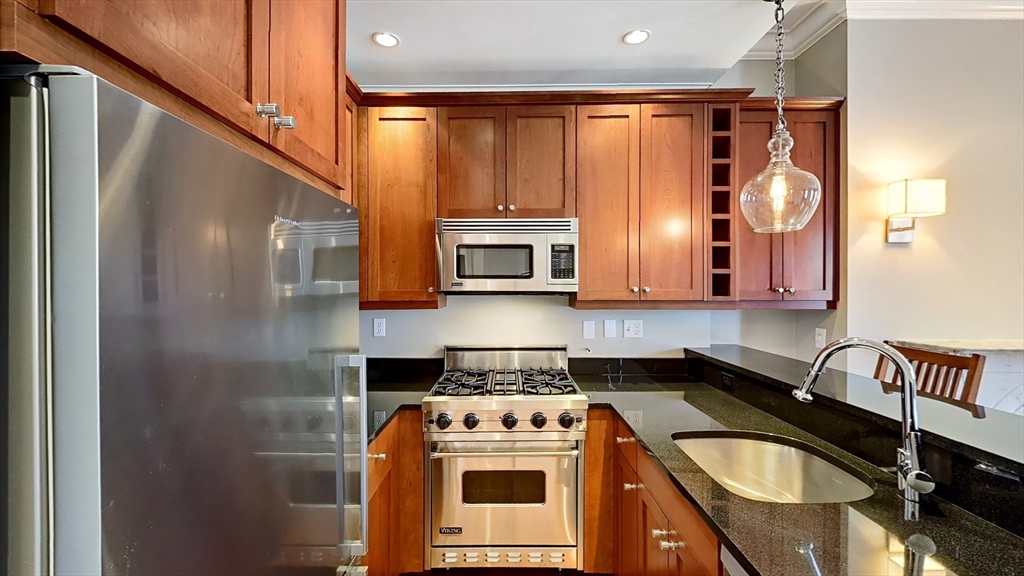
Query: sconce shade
{"points": [[917, 198]]}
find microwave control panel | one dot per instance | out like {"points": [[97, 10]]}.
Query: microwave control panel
{"points": [[563, 261]]}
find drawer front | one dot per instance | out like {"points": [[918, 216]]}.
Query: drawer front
{"points": [[701, 542], [625, 441]]}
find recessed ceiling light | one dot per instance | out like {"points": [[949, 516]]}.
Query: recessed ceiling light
{"points": [[385, 39], [636, 36]]}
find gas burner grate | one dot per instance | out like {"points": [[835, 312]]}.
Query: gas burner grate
{"points": [[462, 383], [547, 383], [505, 382]]}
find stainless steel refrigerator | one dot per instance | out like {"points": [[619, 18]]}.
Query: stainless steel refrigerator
{"points": [[184, 392]]}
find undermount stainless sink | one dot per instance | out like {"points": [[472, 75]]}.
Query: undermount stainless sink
{"points": [[772, 468]]}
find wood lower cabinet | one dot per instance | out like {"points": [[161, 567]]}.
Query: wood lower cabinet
{"points": [[627, 513], [654, 529], [640, 202], [227, 57], [795, 266], [398, 204], [541, 162], [395, 507]]}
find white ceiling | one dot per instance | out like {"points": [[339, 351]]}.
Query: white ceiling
{"points": [[534, 44]]}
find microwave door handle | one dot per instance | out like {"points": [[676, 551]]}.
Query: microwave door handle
{"points": [[350, 544]]}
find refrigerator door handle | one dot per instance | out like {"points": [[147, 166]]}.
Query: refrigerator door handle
{"points": [[349, 542]]}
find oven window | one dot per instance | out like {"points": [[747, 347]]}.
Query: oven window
{"points": [[312, 487], [503, 487], [287, 266], [483, 261]]}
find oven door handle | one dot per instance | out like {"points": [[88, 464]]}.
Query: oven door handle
{"points": [[565, 454], [351, 543]]}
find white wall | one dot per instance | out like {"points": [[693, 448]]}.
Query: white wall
{"points": [[936, 99], [756, 74]]}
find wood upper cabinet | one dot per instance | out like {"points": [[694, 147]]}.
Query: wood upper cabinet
{"points": [[641, 202], [608, 204], [541, 163], [803, 261], [349, 165], [471, 162], [229, 56], [307, 81], [400, 203], [672, 202]]}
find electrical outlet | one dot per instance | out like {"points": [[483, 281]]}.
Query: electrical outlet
{"points": [[632, 328], [634, 418], [820, 338], [588, 329], [727, 382], [609, 328], [378, 327], [379, 416]]}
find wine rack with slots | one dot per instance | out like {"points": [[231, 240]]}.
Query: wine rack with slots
{"points": [[722, 219]]}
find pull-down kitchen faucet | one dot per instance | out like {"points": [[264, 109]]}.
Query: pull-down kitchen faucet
{"points": [[912, 478]]}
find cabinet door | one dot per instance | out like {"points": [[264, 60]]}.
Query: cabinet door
{"points": [[609, 202], [225, 73], [808, 255], [401, 205], [653, 560], [541, 162], [307, 80], [759, 264], [378, 557], [349, 177], [672, 202], [626, 516], [471, 162]]}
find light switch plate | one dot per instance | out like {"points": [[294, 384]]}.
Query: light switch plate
{"points": [[588, 329], [632, 328], [609, 328], [820, 338], [378, 327]]}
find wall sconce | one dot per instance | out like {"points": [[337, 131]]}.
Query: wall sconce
{"points": [[910, 200]]}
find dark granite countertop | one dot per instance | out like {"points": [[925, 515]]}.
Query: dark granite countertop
{"points": [[856, 538], [864, 537], [996, 433]]}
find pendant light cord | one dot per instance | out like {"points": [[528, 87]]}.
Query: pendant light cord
{"points": [[780, 70]]}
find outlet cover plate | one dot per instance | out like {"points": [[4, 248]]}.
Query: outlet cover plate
{"points": [[378, 328], [820, 338], [632, 328], [634, 418]]}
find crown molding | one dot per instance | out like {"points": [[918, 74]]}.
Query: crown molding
{"points": [[812, 25], [432, 88], [935, 10]]}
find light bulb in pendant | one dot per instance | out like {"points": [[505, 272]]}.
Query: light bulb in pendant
{"points": [[782, 198]]}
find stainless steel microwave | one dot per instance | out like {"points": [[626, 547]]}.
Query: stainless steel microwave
{"points": [[314, 258], [520, 255]]}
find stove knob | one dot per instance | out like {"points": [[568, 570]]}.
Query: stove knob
{"points": [[509, 421], [313, 422], [566, 420], [538, 420], [288, 424], [444, 421], [470, 421]]}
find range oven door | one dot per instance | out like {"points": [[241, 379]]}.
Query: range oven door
{"points": [[504, 493]]}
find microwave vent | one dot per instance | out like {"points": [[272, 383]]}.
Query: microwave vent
{"points": [[281, 230], [509, 226]]}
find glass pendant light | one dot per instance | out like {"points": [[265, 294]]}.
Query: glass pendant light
{"points": [[783, 197]]}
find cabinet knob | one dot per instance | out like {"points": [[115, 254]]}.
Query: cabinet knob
{"points": [[501, 208], [779, 290], [268, 109], [671, 545], [658, 534], [620, 440], [377, 456], [630, 487], [285, 122], [790, 290], [635, 288], [647, 289], [431, 289], [511, 207]]}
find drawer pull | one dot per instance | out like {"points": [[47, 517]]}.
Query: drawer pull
{"points": [[377, 456], [630, 487], [285, 122], [268, 109], [671, 545], [620, 440]]}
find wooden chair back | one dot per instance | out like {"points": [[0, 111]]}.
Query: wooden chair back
{"points": [[949, 376]]}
